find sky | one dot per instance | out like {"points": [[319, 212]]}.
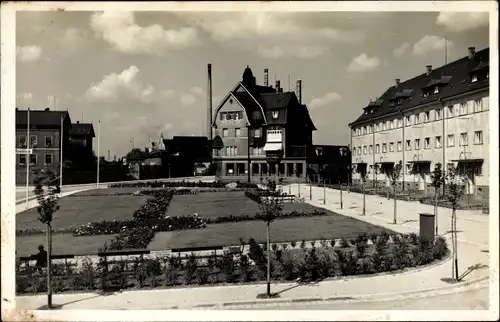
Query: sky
{"points": [[145, 73]]}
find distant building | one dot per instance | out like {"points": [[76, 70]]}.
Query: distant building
{"points": [[82, 134], [439, 116], [330, 162], [254, 120]]}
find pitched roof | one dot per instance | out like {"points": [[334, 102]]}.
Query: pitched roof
{"points": [[82, 129], [453, 79], [42, 118]]}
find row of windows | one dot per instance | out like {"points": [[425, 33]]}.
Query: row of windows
{"points": [[49, 159], [265, 169], [476, 168], [232, 151], [450, 142], [423, 117], [226, 116], [21, 140]]}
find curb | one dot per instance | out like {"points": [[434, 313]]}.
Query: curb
{"points": [[362, 298]]}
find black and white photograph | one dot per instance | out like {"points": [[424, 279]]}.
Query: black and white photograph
{"points": [[249, 160]]}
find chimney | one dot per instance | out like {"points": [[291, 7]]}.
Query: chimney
{"points": [[299, 90], [472, 52], [209, 103], [398, 81], [429, 69], [77, 122], [266, 77], [278, 86], [47, 109], [254, 81]]}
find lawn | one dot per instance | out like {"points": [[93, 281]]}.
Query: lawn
{"points": [[221, 204], [77, 211]]}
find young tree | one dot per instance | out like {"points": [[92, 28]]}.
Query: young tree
{"points": [[297, 174], [394, 176], [454, 194], [437, 180], [48, 204], [271, 207], [361, 169]]}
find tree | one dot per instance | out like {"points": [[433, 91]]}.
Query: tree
{"points": [[48, 204], [271, 207], [297, 174], [454, 193], [394, 176], [361, 170], [437, 180], [136, 154]]}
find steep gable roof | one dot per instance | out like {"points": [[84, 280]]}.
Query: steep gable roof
{"points": [[82, 129], [453, 79]]}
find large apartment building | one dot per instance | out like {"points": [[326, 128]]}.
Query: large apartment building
{"points": [[440, 116], [253, 121]]}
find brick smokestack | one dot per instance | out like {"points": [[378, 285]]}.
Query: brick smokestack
{"points": [[299, 90], [278, 86], [398, 81], [429, 69], [209, 103], [472, 52], [266, 77]]}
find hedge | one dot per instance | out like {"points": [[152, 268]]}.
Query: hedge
{"points": [[170, 184]]}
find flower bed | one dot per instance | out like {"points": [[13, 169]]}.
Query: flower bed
{"points": [[357, 258], [162, 184], [256, 194]]}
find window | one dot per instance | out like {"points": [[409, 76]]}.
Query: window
{"points": [[438, 142], [256, 133], [450, 110], [22, 140], [48, 158], [450, 140], [400, 122], [354, 151], [474, 78], [408, 168], [464, 139], [225, 132], [427, 142], [391, 147], [438, 114], [389, 125], [436, 90], [231, 151], [377, 148], [276, 114], [417, 118], [400, 146], [48, 141], [477, 168], [478, 137], [426, 94], [408, 120], [417, 144], [478, 105], [223, 116], [384, 147], [364, 150], [384, 126], [408, 145], [257, 115], [33, 141], [359, 150], [230, 169], [427, 116], [377, 128], [463, 108], [238, 132], [370, 149], [22, 159], [33, 159], [381, 126]]}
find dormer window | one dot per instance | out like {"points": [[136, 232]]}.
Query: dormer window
{"points": [[474, 78], [400, 101], [276, 114], [426, 94], [436, 90]]}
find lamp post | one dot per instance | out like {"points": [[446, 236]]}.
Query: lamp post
{"points": [[28, 157]]}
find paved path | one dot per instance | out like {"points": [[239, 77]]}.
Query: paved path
{"points": [[426, 281]]}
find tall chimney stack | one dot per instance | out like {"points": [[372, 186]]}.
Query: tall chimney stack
{"points": [[472, 52], [398, 81], [429, 69], [299, 90], [277, 86], [266, 77], [209, 103]]}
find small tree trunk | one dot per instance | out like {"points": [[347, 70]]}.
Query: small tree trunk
{"points": [[435, 208], [49, 266], [452, 245], [395, 206], [298, 182], [456, 241], [268, 292], [364, 198]]}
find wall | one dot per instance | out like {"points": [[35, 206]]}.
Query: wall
{"points": [[241, 142]]}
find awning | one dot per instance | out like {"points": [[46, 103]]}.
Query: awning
{"points": [[385, 162], [419, 161], [273, 146], [468, 160]]}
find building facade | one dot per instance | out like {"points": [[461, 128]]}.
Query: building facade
{"points": [[253, 121], [440, 116]]}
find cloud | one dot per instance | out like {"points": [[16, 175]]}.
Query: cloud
{"points": [[72, 40], [363, 63], [428, 44], [198, 91], [188, 99], [114, 86], [28, 53], [119, 29], [401, 50], [304, 52], [462, 21], [325, 100]]}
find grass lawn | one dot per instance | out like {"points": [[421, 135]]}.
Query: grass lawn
{"points": [[221, 204], [292, 229], [62, 244]]}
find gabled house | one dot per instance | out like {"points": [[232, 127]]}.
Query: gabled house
{"points": [[82, 134], [253, 121]]}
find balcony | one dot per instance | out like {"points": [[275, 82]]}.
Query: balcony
{"points": [[257, 142], [296, 151]]}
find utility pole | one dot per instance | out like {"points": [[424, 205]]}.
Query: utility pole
{"points": [[61, 155], [98, 155], [28, 157]]}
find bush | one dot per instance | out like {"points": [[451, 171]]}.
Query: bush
{"points": [[346, 261], [400, 254], [440, 248], [171, 184], [228, 268], [312, 264], [344, 243]]}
